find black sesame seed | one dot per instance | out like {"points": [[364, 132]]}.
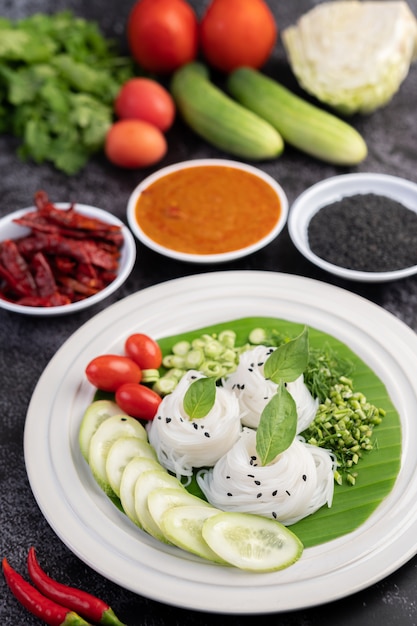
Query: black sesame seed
{"points": [[257, 482], [274, 493], [259, 495], [229, 494], [274, 515], [304, 477], [206, 434], [365, 232], [195, 426], [287, 492], [168, 420], [251, 475]]}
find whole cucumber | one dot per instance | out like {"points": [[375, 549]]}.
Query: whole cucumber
{"points": [[219, 119], [301, 124]]}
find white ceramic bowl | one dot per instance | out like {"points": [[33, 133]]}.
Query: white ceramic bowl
{"points": [[10, 230], [333, 189], [206, 258]]}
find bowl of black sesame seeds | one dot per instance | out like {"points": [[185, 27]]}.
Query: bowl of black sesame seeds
{"points": [[361, 227]]}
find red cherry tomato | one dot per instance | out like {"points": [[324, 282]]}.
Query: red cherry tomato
{"points": [[144, 351], [138, 401], [162, 34], [135, 144], [145, 99], [108, 371], [237, 32]]}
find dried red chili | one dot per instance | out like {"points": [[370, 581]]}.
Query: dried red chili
{"points": [[67, 256], [89, 606], [42, 607]]}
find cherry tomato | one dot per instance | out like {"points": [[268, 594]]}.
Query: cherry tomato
{"points": [[144, 351], [237, 32], [162, 34], [108, 371], [145, 99], [138, 401], [134, 144]]}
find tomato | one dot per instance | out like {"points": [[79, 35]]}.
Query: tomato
{"points": [[237, 32], [162, 34], [134, 144], [144, 351], [108, 371], [138, 401], [145, 99]]}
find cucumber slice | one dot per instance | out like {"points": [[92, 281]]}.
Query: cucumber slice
{"points": [[120, 453], [111, 429], [145, 484], [94, 415], [160, 500], [130, 474], [251, 542], [182, 526]]}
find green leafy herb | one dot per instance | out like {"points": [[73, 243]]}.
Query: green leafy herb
{"points": [[59, 77], [200, 397], [289, 360], [278, 422], [277, 426]]}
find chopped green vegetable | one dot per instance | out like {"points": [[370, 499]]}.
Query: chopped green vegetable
{"points": [[344, 423], [58, 80]]}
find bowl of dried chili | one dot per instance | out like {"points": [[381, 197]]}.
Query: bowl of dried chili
{"points": [[361, 227], [60, 258]]}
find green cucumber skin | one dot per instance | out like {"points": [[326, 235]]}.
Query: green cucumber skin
{"points": [[220, 120], [303, 125]]}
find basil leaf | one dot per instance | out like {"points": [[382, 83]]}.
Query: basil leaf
{"points": [[200, 397], [289, 360], [277, 426]]}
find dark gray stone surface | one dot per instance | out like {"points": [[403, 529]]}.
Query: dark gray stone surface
{"points": [[27, 344]]}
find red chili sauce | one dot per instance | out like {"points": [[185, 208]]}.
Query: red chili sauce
{"points": [[208, 210]]}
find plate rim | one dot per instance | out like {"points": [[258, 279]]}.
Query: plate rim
{"points": [[195, 594]]}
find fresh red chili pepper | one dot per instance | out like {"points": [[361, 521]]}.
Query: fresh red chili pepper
{"points": [[42, 607], [89, 606]]}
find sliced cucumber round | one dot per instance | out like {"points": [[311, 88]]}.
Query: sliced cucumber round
{"points": [[94, 415], [160, 500], [251, 542], [130, 474], [120, 453], [182, 526], [106, 434], [145, 484]]}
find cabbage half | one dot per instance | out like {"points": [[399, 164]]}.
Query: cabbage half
{"points": [[353, 55]]}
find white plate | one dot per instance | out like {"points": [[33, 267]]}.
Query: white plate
{"points": [[104, 538], [335, 188]]}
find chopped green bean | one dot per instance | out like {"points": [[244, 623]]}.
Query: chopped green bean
{"points": [[344, 424]]}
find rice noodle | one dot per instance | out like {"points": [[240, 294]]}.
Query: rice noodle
{"points": [[182, 443], [254, 391], [296, 484]]}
